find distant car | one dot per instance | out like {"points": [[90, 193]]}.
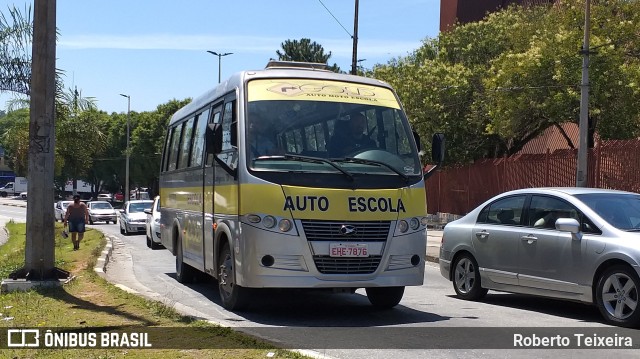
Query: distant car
{"points": [[61, 209], [23, 195], [101, 211], [104, 197], [579, 244], [132, 216], [119, 197], [153, 224]]}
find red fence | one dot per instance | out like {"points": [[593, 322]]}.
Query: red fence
{"points": [[612, 164]]}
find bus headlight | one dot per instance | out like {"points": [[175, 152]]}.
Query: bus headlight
{"points": [[414, 223], [403, 226], [284, 225], [424, 221], [269, 221]]}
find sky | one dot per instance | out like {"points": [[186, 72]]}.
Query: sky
{"points": [[156, 50]]}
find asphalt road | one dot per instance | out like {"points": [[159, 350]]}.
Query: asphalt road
{"points": [[347, 326]]}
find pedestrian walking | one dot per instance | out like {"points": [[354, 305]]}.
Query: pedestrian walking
{"points": [[76, 217]]}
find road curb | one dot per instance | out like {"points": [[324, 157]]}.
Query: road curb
{"points": [[103, 260], [433, 259]]}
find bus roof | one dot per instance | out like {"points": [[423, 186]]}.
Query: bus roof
{"points": [[275, 69]]}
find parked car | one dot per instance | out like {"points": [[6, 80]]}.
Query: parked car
{"points": [[118, 197], [23, 195], [104, 197], [101, 211], [580, 244], [132, 216], [153, 224], [61, 209]]}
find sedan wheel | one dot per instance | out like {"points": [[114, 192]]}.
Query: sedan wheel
{"points": [[617, 296], [466, 278]]}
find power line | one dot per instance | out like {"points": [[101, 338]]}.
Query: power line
{"points": [[338, 21]]}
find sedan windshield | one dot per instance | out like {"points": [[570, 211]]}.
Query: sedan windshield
{"points": [[101, 206], [620, 210], [139, 207]]}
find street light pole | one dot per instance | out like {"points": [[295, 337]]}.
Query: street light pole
{"points": [[582, 163], [126, 185], [219, 60]]}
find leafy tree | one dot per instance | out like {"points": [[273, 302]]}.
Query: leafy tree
{"points": [[16, 32], [304, 50], [493, 85]]}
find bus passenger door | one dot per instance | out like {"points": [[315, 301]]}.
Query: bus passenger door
{"points": [[208, 191]]}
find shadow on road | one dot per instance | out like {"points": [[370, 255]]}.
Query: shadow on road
{"points": [[560, 308], [317, 308]]}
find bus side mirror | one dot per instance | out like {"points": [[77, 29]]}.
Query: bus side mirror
{"points": [[417, 138], [437, 148], [213, 136], [437, 153]]}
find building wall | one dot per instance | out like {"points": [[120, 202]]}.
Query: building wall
{"points": [[465, 11]]}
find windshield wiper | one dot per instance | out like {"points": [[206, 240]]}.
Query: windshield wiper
{"points": [[372, 162], [307, 159]]}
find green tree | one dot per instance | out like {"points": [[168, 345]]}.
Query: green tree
{"points": [[16, 32], [304, 50], [493, 85]]}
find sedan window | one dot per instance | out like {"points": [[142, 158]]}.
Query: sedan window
{"points": [[503, 211], [545, 210]]}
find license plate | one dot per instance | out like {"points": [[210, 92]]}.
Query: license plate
{"points": [[348, 250]]}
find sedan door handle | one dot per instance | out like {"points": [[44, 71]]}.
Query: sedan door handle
{"points": [[529, 238], [482, 235]]}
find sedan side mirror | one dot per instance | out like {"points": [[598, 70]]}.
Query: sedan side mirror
{"points": [[569, 225], [121, 210], [147, 211]]}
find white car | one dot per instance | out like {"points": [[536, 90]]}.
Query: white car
{"points": [[23, 195], [61, 209], [153, 224], [132, 216], [101, 211], [105, 197]]}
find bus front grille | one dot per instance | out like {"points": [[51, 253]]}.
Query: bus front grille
{"points": [[331, 265], [374, 231]]}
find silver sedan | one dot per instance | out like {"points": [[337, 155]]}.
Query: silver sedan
{"points": [[580, 244]]}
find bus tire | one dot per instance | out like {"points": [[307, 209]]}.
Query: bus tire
{"points": [[184, 272], [384, 297], [232, 296]]}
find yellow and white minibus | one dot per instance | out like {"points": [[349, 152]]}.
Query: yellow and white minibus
{"points": [[295, 177]]}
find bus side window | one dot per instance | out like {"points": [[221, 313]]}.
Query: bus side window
{"points": [[217, 112], [187, 136], [175, 147], [198, 139], [229, 154]]}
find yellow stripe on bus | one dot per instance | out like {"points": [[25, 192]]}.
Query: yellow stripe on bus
{"points": [[320, 90], [302, 202], [331, 204]]}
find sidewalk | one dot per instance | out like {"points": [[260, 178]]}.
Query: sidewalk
{"points": [[433, 245]]}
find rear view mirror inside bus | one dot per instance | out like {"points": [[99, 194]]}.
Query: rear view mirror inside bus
{"points": [[214, 138]]}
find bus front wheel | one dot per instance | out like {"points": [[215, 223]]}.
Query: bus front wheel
{"points": [[233, 296], [386, 297], [184, 272]]}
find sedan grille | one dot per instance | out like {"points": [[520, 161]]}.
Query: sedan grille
{"points": [[375, 231]]}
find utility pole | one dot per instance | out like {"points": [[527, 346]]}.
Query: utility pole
{"points": [[582, 163], [354, 58], [40, 236], [127, 196]]}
